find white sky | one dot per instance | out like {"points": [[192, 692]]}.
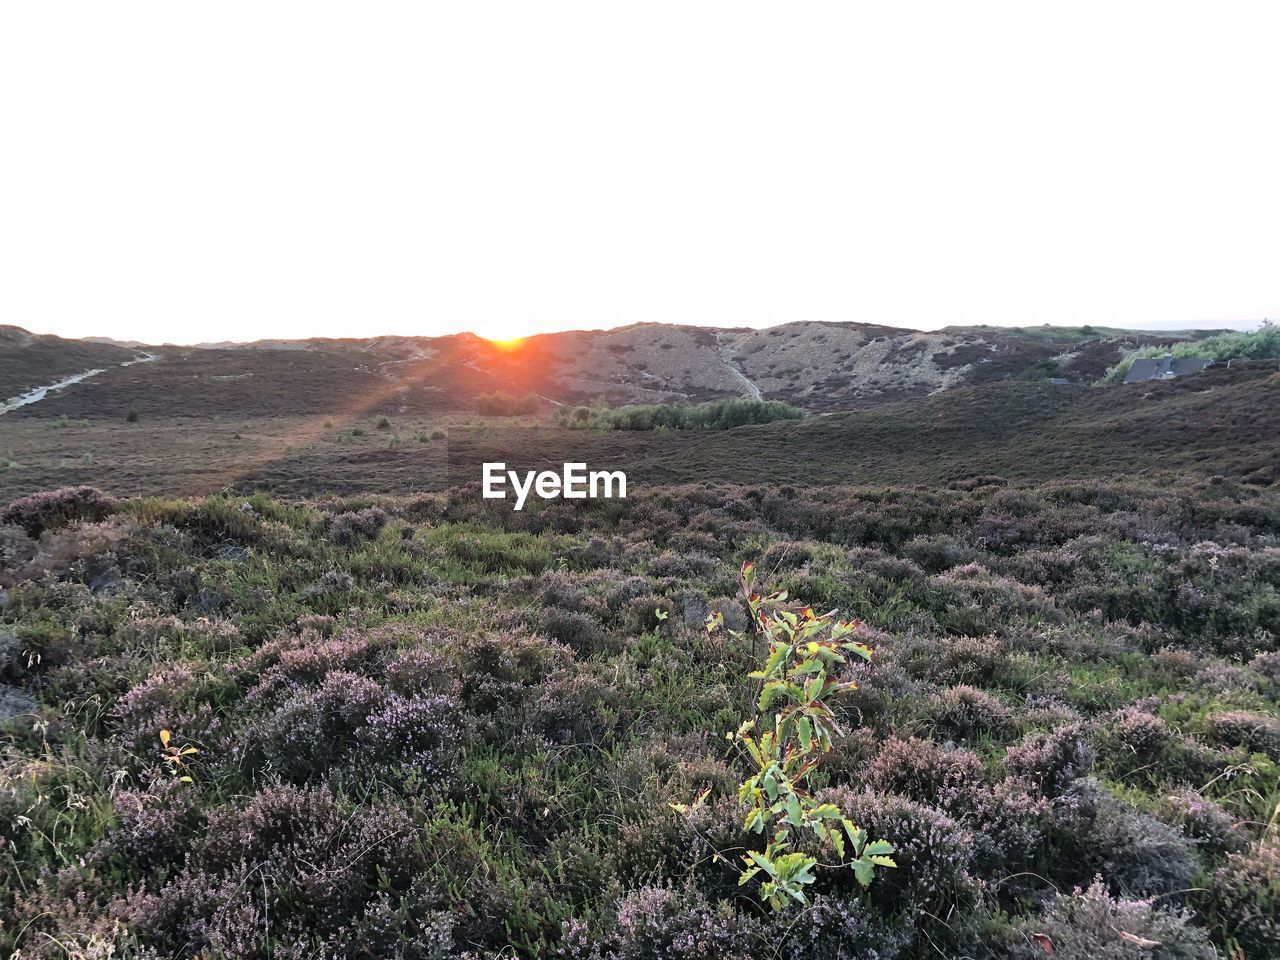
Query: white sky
{"points": [[184, 172]]}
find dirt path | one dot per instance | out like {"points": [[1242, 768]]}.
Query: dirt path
{"points": [[752, 390], [39, 393]]}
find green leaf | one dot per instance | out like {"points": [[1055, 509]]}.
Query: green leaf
{"points": [[763, 863], [795, 813], [837, 841], [864, 871]]}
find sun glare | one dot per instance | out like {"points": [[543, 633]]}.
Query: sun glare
{"points": [[506, 344]]}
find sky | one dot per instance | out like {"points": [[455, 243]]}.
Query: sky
{"points": [[176, 172]]}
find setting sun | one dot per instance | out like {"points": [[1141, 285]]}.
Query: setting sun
{"points": [[506, 344]]}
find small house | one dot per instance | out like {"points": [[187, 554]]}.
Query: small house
{"points": [[1164, 368]]}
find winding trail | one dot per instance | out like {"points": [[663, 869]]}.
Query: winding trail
{"points": [[752, 390], [39, 393]]}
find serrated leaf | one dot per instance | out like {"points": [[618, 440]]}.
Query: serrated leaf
{"points": [[763, 863], [863, 870]]}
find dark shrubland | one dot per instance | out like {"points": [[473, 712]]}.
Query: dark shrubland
{"points": [[429, 727], [713, 415], [506, 405]]}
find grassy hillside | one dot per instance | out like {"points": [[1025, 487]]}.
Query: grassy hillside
{"points": [[28, 360], [1218, 422], [818, 366], [430, 727]]}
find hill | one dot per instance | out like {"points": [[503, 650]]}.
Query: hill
{"points": [[820, 366], [244, 437], [29, 360]]}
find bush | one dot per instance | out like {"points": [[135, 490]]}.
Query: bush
{"points": [[965, 712], [322, 860], [1253, 731], [1262, 344], [506, 405], [1137, 854], [350, 721], [1210, 827], [932, 850], [1092, 925], [1051, 761], [56, 508], [657, 923], [716, 415], [1243, 897], [923, 770], [347, 528]]}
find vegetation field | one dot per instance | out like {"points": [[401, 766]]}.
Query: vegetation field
{"points": [[428, 726], [1220, 422]]}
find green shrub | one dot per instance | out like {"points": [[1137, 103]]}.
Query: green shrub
{"points": [[505, 405], [1263, 344], [785, 748], [715, 415]]}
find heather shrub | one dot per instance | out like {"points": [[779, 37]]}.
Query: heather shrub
{"points": [[576, 709], [565, 590], [322, 860], [1138, 855], [506, 405], [937, 553], [923, 770], [1132, 739], [838, 929], [714, 415], [1051, 761], [1093, 925], [1267, 666], [659, 923], [1209, 827], [970, 599], [645, 613], [400, 924], [958, 660], [16, 548], [965, 712], [932, 850], [1009, 821], [293, 660], [156, 826], [183, 698], [884, 571], [582, 632], [1243, 898], [1242, 728], [500, 674], [51, 509], [351, 719], [348, 528]]}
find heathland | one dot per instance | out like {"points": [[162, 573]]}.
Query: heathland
{"points": [[290, 688]]}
